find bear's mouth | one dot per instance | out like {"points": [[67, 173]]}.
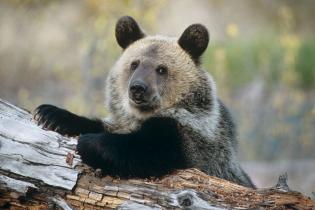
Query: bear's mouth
{"points": [[143, 105], [139, 101]]}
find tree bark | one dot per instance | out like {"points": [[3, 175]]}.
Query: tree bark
{"points": [[40, 170]]}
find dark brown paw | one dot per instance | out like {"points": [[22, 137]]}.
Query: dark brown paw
{"points": [[55, 119]]}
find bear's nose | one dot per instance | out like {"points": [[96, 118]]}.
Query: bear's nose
{"points": [[138, 90]]}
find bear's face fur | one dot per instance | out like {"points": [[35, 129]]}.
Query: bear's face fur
{"points": [[152, 55], [155, 73]]}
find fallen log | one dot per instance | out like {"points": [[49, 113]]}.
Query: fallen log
{"points": [[40, 170]]}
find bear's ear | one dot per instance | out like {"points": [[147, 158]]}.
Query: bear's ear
{"points": [[194, 41], [127, 31]]}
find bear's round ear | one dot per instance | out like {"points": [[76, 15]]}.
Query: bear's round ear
{"points": [[194, 40], [127, 31]]}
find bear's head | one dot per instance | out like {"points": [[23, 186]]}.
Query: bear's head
{"points": [[155, 73]]}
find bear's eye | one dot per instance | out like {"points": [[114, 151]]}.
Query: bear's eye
{"points": [[134, 65], [161, 70]]}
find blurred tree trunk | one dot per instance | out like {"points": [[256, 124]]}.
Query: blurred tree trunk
{"points": [[39, 170]]}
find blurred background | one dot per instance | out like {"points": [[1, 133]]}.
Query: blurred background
{"points": [[261, 54]]}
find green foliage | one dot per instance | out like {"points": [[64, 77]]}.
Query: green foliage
{"points": [[239, 62], [305, 65]]}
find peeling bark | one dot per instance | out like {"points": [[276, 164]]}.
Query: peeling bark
{"points": [[40, 170]]}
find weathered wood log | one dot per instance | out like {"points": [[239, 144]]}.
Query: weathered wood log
{"points": [[40, 170]]}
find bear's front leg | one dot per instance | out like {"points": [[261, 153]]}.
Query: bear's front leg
{"points": [[65, 122], [153, 150], [96, 151]]}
